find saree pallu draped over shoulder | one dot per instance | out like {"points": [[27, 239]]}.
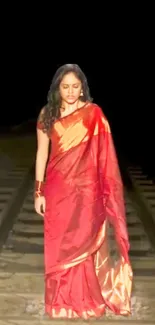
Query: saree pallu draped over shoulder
{"points": [[84, 210]]}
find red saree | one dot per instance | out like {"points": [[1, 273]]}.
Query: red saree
{"points": [[84, 201]]}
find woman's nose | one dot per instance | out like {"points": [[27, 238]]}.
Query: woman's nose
{"points": [[70, 90]]}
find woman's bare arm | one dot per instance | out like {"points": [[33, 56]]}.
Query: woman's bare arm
{"points": [[41, 155]]}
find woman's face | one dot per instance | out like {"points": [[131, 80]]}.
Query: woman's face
{"points": [[70, 88]]}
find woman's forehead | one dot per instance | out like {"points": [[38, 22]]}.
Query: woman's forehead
{"points": [[70, 78]]}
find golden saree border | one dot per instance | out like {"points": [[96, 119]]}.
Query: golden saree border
{"points": [[69, 313], [72, 130], [115, 279]]}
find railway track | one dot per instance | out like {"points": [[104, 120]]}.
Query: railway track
{"points": [[21, 257]]}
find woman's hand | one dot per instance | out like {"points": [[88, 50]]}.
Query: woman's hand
{"points": [[40, 205]]}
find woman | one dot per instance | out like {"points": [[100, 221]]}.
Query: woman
{"points": [[81, 196]]}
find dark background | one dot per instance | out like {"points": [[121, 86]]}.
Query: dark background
{"points": [[118, 64]]}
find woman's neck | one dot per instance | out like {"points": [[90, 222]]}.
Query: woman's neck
{"points": [[70, 107], [67, 109]]}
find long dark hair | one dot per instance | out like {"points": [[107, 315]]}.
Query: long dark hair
{"points": [[51, 111]]}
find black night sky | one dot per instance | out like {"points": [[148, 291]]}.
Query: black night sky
{"points": [[118, 68]]}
